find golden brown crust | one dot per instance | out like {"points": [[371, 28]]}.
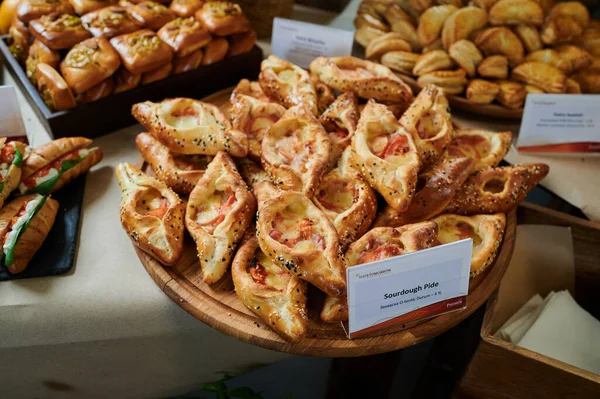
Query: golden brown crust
{"points": [[151, 214], [400, 61], [39, 53], [185, 8], [462, 23], [573, 87], [494, 67], [501, 40], [151, 15], [372, 19], [339, 120], [408, 32], [550, 57], [486, 148], [110, 22], [386, 155], [486, 231], [577, 57], [498, 189], [28, 10], [32, 238], [480, 91], [59, 31], [365, 78], [466, 55], [298, 236], [184, 35], [83, 7], [530, 37], [215, 51], [190, 126], [365, 34], [287, 83], [54, 90], [101, 90], [89, 63], [125, 80], [435, 60], [20, 39], [452, 82], [432, 21], [511, 94], [187, 63], [252, 172], [142, 51], [544, 76], [157, 74], [515, 12], [588, 80], [269, 291], [391, 41], [325, 95], [241, 43], [219, 210], [223, 18], [252, 89], [565, 22]]}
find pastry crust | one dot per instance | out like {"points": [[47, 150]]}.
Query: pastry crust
{"points": [[110, 22], [544, 76], [89, 63], [511, 94], [393, 14], [339, 121], [325, 95], [400, 61], [83, 7], [436, 60], [462, 23], [347, 200], [125, 80], [241, 43], [391, 41], [252, 173], [142, 51], [151, 214], [515, 12], [429, 124], [530, 37], [39, 53], [550, 57], [531, 89], [365, 78], [219, 211], [101, 90], [28, 10], [188, 126], [54, 90], [215, 51], [187, 63], [452, 82], [480, 91], [408, 32], [287, 83], [185, 8], [184, 35], [179, 172], [437, 187], [157, 74], [577, 57], [565, 22], [151, 15], [33, 236], [300, 238], [11, 162], [269, 291], [20, 39], [365, 34], [494, 67], [501, 40], [498, 189], [487, 232], [372, 20], [386, 155], [59, 31], [254, 118], [223, 18], [295, 151], [486, 148], [378, 244], [252, 89], [588, 80], [466, 55], [573, 87], [432, 21]]}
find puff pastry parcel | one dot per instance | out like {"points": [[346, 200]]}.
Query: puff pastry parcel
{"points": [[501, 40], [268, 290], [435, 60], [110, 22], [142, 51], [481, 91], [59, 31], [38, 54], [515, 12], [24, 225], [189, 126], [151, 15], [484, 147], [544, 76], [452, 82], [339, 120], [494, 67], [511, 94], [462, 23], [219, 211], [432, 21], [295, 151], [495, 190], [185, 8], [223, 18], [386, 155], [11, 162], [391, 41], [151, 214], [295, 233], [466, 54]]}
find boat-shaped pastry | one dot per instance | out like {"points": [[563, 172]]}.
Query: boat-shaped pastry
{"points": [[339, 120], [484, 147]]}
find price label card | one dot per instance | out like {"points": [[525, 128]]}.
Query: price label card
{"points": [[560, 123], [408, 287], [301, 42]]}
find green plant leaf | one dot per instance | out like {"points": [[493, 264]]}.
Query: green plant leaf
{"points": [[18, 159], [244, 393], [1, 186], [10, 252], [46, 187]]}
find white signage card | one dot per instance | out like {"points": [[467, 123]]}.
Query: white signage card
{"points": [[380, 292], [301, 42], [11, 122], [564, 123]]}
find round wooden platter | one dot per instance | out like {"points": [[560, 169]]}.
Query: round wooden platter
{"points": [[219, 307], [462, 104]]}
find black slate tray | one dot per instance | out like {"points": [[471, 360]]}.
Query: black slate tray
{"points": [[57, 254], [114, 112]]}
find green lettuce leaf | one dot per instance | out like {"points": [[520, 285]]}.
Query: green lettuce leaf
{"points": [[10, 252]]}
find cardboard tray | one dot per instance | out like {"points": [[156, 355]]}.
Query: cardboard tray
{"points": [[114, 112]]}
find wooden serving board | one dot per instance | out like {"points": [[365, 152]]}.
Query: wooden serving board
{"points": [[462, 104], [219, 307]]}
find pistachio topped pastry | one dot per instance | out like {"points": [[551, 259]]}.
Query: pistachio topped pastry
{"points": [[59, 31], [110, 22]]}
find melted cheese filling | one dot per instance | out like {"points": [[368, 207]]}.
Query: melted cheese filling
{"points": [[337, 195], [429, 125], [389, 145], [152, 203], [191, 162], [12, 236], [475, 147], [264, 271], [188, 117], [296, 149], [213, 210], [289, 76], [293, 230], [259, 125], [458, 231], [376, 250]]}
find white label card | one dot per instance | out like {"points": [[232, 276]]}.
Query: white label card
{"points": [[11, 122], [301, 42], [566, 123], [380, 292]]}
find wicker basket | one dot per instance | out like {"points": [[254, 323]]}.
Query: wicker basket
{"points": [[261, 13]]}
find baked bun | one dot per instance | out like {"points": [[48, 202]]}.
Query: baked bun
{"points": [[83, 7], [184, 36], [185, 8], [157, 74], [151, 214], [125, 80], [59, 31], [215, 51], [54, 90], [28, 10], [219, 210], [39, 53], [101, 90], [189, 126], [223, 18], [151, 15], [187, 63], [89, 63], [110, 22], [484, 147], [339, 121], [241, 43], [142, 51], [20, 40]]}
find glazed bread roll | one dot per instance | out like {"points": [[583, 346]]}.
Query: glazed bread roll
{"points": [[223, 18], [142, 51], [110, 22], [54, 90]]}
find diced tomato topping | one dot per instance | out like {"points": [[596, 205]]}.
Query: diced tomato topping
{"points": [[397, 145], [380, 253], [161, 210], [187, 111], [305, 233], [463, 230], [14, 219], [258, 273], [319, 240], [275, 234], [7, 154], [30, 182]]}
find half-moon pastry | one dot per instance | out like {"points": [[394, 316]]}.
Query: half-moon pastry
{"points": [[393, 13], [435, 189], [325, 95], [59, 31], [400, 61], [565, 21], [452, 82], [436, 60], [11, 162], [391, 41], [298, 236], [365, 34], [184, 35], [573, 87], [577, 57], [295, 151], [511, 94], [408, 32], [484, 147], [53, 89], [347, 200], [462, 23], [466, 55], [480, 91], [190, 126], [287, 83], [268, 290], [550, 57], [370, 18], [151, 214], [515, 12], [110, 22], [501, 40], [531, 89], [339, 120], [223, 18], [428, 123], [365, 78], [179, 172], [432, 21], [575, 10], [588, 80], [386, 155], [494, 67], [142, 51], [530, 36], [219, 210], [498, 189], [544, 76], [151, 15], [485, 4], [486, 231], [254, 118], [378, 244]]}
